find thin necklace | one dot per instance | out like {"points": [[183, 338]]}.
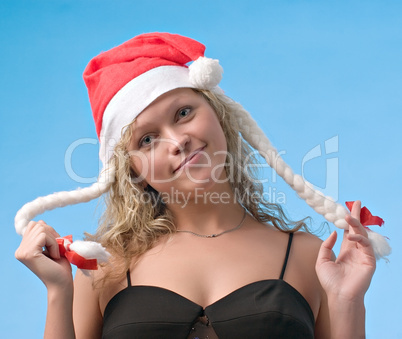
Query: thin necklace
{"points": [[217, 234]]}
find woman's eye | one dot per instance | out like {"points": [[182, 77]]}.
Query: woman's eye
{"points": [[183, 112], [147, 140]]}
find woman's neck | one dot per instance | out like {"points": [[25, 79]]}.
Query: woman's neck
{"points": [[208, 212]]}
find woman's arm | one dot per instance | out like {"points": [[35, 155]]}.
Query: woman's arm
{"points": [[87, 315], [59, 320], [346, 279]]}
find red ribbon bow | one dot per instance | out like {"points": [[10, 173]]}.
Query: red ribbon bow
{"points": [[73, 257], [366, 218]]}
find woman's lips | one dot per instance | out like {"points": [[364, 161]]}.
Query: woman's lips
{"points": [[189, 158]]}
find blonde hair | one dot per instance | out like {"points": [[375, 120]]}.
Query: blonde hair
{"points": [[130, 225]]}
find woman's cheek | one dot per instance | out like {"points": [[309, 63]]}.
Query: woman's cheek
{"points": [[158, 170]]}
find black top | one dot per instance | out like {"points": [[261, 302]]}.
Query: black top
{"points": [[264, 309]]}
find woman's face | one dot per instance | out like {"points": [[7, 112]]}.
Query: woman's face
{"points": [[178, 144]]}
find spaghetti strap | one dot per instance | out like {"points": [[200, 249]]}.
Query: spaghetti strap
{"points": [[287, 256], [128, 278]]}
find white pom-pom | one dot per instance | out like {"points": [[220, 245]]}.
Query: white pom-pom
{"points": [[380, 245], [205, 73], [90, 250]]}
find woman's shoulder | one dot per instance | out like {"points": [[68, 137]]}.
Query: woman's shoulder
{"points": [[97, 288], [302, 241], [301, 238], [307, 239], [306, 246]]}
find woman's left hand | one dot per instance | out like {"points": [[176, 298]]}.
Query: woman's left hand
{"points": [[347, 277]]}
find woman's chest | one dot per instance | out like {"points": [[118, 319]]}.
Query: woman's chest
{"points": [[205, 270]]}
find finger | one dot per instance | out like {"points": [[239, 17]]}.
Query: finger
{"points": [[356, 208], [52, 231], [363, 244], [41, 226], [52, 247], [39, 237], [325, 253], [30, 226], [360, 239], [355, 227], [345, 233], [50, 228], [346, 244]]}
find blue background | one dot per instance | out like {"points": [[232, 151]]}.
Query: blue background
{"points": [[308, 71]]}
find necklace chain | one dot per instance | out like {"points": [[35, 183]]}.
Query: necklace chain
{"points": [[217, 234]]}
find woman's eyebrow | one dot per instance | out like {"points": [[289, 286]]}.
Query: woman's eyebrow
{"points": [[137, 127]]}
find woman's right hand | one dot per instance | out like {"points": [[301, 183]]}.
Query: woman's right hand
{"points": [[39, 251]]}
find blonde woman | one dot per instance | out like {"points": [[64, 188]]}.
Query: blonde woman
{"points": [[195, 250]]}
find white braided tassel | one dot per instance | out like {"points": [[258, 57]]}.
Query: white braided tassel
{"points": [[326, 206], [61, 199]]}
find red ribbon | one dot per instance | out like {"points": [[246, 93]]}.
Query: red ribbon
{"points": [[73, 257], [366, 218]]}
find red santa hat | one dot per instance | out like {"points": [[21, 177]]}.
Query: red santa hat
{"points": [[123, 81]]}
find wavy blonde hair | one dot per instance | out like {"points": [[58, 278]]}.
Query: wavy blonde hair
{"points": [[130, 225]]}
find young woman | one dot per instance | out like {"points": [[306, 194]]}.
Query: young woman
{"points": [[196, 252]]}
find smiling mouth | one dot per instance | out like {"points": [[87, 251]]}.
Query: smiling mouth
{"points": [[189, 157]]}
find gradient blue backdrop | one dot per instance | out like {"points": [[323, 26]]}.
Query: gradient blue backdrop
{"points": [[308, 71]]}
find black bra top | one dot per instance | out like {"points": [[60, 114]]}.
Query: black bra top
{"points": [[264, 309]]}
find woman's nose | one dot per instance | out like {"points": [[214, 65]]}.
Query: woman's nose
{"points": [[177, 142]]}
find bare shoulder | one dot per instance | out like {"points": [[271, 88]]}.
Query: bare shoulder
{"points": [[305, 247], [308, 241], [86, 282]]}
